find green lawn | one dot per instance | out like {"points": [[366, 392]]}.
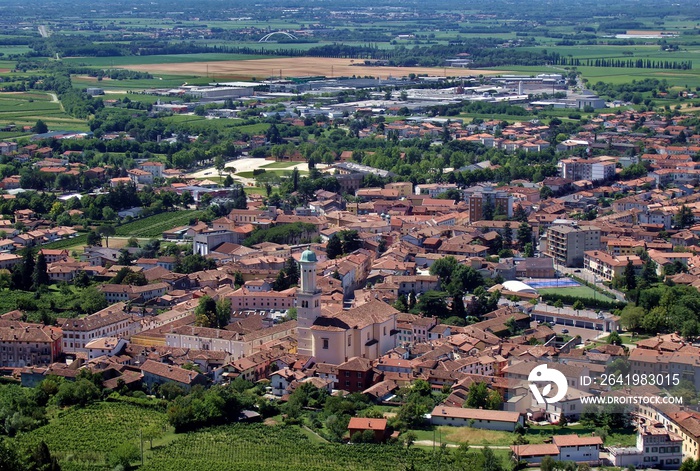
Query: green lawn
{"points": [[628, 337], [120, 61], [279, 172], [578, 291], [154, 226], [459, 435], [280, 165]]}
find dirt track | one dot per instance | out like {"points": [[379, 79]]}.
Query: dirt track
{"points": [[296, 67]]}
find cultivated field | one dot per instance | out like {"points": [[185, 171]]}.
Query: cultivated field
{"points": [[296, 67]]}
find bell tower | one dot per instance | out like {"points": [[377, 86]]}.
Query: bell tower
{"points": [[308, 303]]}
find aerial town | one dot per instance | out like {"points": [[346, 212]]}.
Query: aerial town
{"points": [[203, 269]]}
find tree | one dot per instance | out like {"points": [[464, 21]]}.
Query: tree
{"points": [[135, 279], [409, 438], [23, 273], [547, 464], [684, 217], [689, 465], [351, 241], [487, 210], [220, 165], [108, 213], [106, 231], [334, 247], [273, 135], [690, 329], [401, 303], [123, 455], [9, 460], [478, 392], [40, 277], [94, 239], [337, 425], [40, 127], [238, 280], [507, 235], [90, 301], [433, 303], [614, 338], [491, 461], [578, 305], [649, 275], [124, 258], [223, 312], [546, 192], [519, 214], [630, 277], [524, 234], [153, 432], [40, 459], [205, 312]]}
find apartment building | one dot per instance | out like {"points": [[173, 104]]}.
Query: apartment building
{"points": [[566, 244], [607, 267], [110, 322], [483, 199], [596, 169], [23, 344]]}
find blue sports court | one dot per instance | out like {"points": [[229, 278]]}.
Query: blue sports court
{"points": [[553, 283]]}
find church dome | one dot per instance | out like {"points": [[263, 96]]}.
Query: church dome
{"points": [[308, 256]]}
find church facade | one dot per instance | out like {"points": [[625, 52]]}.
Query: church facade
{"points": [[367, 331]]}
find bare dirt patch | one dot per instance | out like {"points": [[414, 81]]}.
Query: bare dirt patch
{"points": [[298, 67], [4, 71]]}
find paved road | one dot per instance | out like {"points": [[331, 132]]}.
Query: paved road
{"points": [[586, 334], [43, 31], [452, 445], [248, 164]]}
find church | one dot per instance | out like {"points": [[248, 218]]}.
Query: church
{"points": [[367, 331]]}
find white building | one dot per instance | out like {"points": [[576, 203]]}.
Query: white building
{"points": [[110, 322], [578, 449], [656, 447], [476, 418]]}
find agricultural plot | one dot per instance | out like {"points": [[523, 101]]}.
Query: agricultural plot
{"points": [[294, 67], [157, 59], [82, 438], [26, 108], [257, 447], [154, 226], [201, 123]]}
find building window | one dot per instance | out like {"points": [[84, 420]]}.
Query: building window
{"points": [[325, 344]]}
